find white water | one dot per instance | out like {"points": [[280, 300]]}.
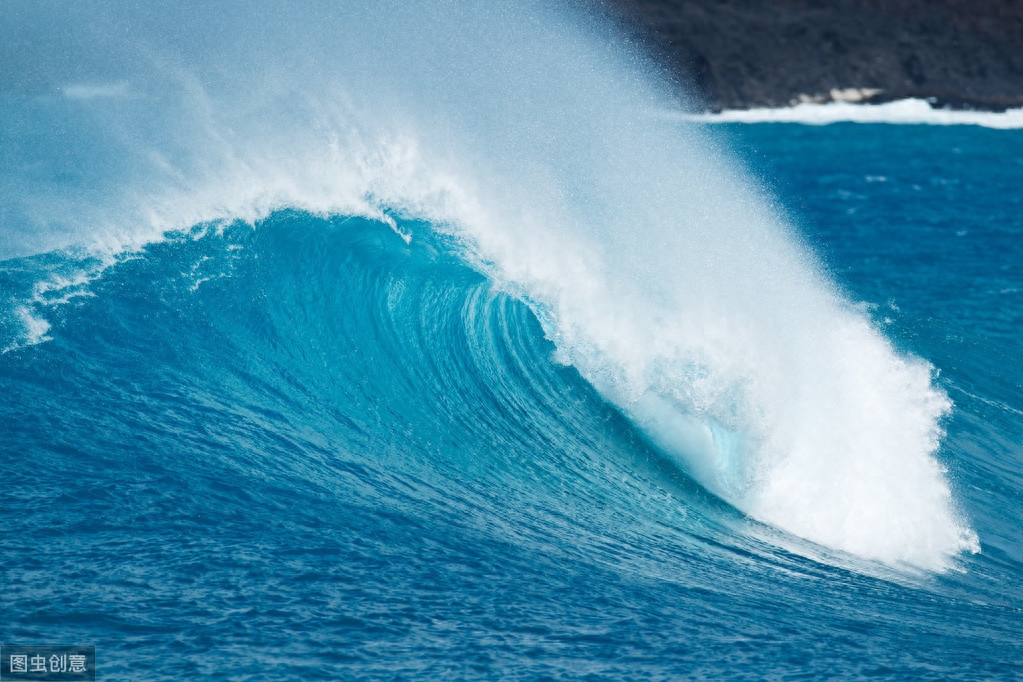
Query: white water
{"points": [[901, 112], [654, 263]]}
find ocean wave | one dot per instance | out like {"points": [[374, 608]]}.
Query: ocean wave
{"points": [[659, 270], [691, 390]]}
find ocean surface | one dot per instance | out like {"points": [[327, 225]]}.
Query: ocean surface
{"points": [[440, 342]]}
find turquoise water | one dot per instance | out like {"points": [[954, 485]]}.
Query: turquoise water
{"points": [[496, 386]]}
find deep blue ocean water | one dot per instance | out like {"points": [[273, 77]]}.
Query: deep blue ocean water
{"points": [[606, 396], [307, 450]]}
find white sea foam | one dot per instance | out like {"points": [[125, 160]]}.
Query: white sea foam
{"points": [[656, 267], [34, 329], [906, 112]]}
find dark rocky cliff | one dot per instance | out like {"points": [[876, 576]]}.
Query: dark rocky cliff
{"points": [[746, 53]]}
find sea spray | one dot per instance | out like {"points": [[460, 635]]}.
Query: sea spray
{"points": [[655, 265]]}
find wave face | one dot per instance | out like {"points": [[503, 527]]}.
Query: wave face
{"points": [[383, 322]]}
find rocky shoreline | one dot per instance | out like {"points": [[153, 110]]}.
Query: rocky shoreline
{"points": [[739, 54]]}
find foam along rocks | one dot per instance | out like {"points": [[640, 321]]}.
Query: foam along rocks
{"points": [[839, 95], [906, 111]]}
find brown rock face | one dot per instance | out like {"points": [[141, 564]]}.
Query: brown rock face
{"points": [[745, 53]]}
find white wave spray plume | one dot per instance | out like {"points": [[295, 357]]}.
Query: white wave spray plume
{"points": [[657, 268]]}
